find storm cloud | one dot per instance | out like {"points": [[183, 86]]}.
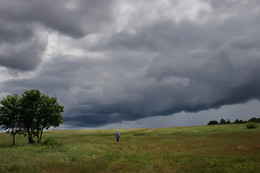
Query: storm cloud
{"points": [[113, 61]]}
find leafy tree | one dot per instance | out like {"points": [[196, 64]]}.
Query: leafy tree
{"points": [[228, 121], [9, 115], [254, 120], [31, 113], [213, 122], [50, 114], [30, 104], [237, 121], [222, 121], [39, 112]]}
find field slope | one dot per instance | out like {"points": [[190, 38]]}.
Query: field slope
{"points": [[220, 148]]}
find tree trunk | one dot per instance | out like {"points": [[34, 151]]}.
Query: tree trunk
{"points": [[41, 135], [30, 138], [29, 135], [38, 137], [13, 139]]}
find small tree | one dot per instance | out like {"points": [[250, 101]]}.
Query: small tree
{"points": [[213, 122], [9, 115], [222, 121], [228, 121]]}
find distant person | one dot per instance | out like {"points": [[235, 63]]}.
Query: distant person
{"points": [[117, 135]]}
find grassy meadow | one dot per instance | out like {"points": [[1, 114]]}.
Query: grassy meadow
{"points": [[219, 148]]}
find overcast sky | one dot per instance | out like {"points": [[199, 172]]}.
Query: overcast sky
{"points": [[135, 63]]}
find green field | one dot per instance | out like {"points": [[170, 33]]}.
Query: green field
{"points": [[219, 148]]}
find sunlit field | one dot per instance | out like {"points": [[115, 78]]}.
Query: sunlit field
{"points": [[219, 148]]}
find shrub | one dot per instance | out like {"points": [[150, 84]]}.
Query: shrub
{"points": [[50, 142], [251, 126]]}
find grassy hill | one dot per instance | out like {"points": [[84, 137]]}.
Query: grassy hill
{"points": [[220, 148]]}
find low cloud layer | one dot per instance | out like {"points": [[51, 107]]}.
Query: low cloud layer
{"points": [[113, 61]]}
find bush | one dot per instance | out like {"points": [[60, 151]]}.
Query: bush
{"points": [[50, 142], [251, 126]]}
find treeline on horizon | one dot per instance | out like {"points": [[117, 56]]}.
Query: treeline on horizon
{"points": [[237, 121]]}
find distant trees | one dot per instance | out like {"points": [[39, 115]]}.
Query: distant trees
{"points": [[228, 121], [237, 121], [30, 114], [222, 121], [213, 122], [254, 120]]}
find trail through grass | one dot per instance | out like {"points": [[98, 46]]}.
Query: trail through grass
{"points": [[221, 148]]}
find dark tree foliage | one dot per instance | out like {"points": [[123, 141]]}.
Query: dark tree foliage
{"points": [[31, 113], [222, 121], [49, 114], [251, 125], [237, 121], [9, 115], [213, 122], [254, 120], [30, 110], [228, 121]]}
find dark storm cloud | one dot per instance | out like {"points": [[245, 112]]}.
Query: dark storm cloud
{"points": [[21, 47], [11, 33], [210, 79], [25, 56], [74, 18], [155, 68], [20, 20]]}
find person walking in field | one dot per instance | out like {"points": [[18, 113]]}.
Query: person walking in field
{"points": [[117, 135]]}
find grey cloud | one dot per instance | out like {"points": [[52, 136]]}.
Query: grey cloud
{"points": [[167, 36], [25, 55], [164, 89], [22, 47], [11, 33], [161, 68], [74, 18]]}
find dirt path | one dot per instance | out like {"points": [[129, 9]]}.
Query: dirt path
{"points": [[144, 131]]}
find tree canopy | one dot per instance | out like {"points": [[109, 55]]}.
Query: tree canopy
{"points": [[30, 113], [9, 114]]}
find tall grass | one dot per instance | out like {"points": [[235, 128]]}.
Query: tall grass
{"points": [[222, 148]]}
